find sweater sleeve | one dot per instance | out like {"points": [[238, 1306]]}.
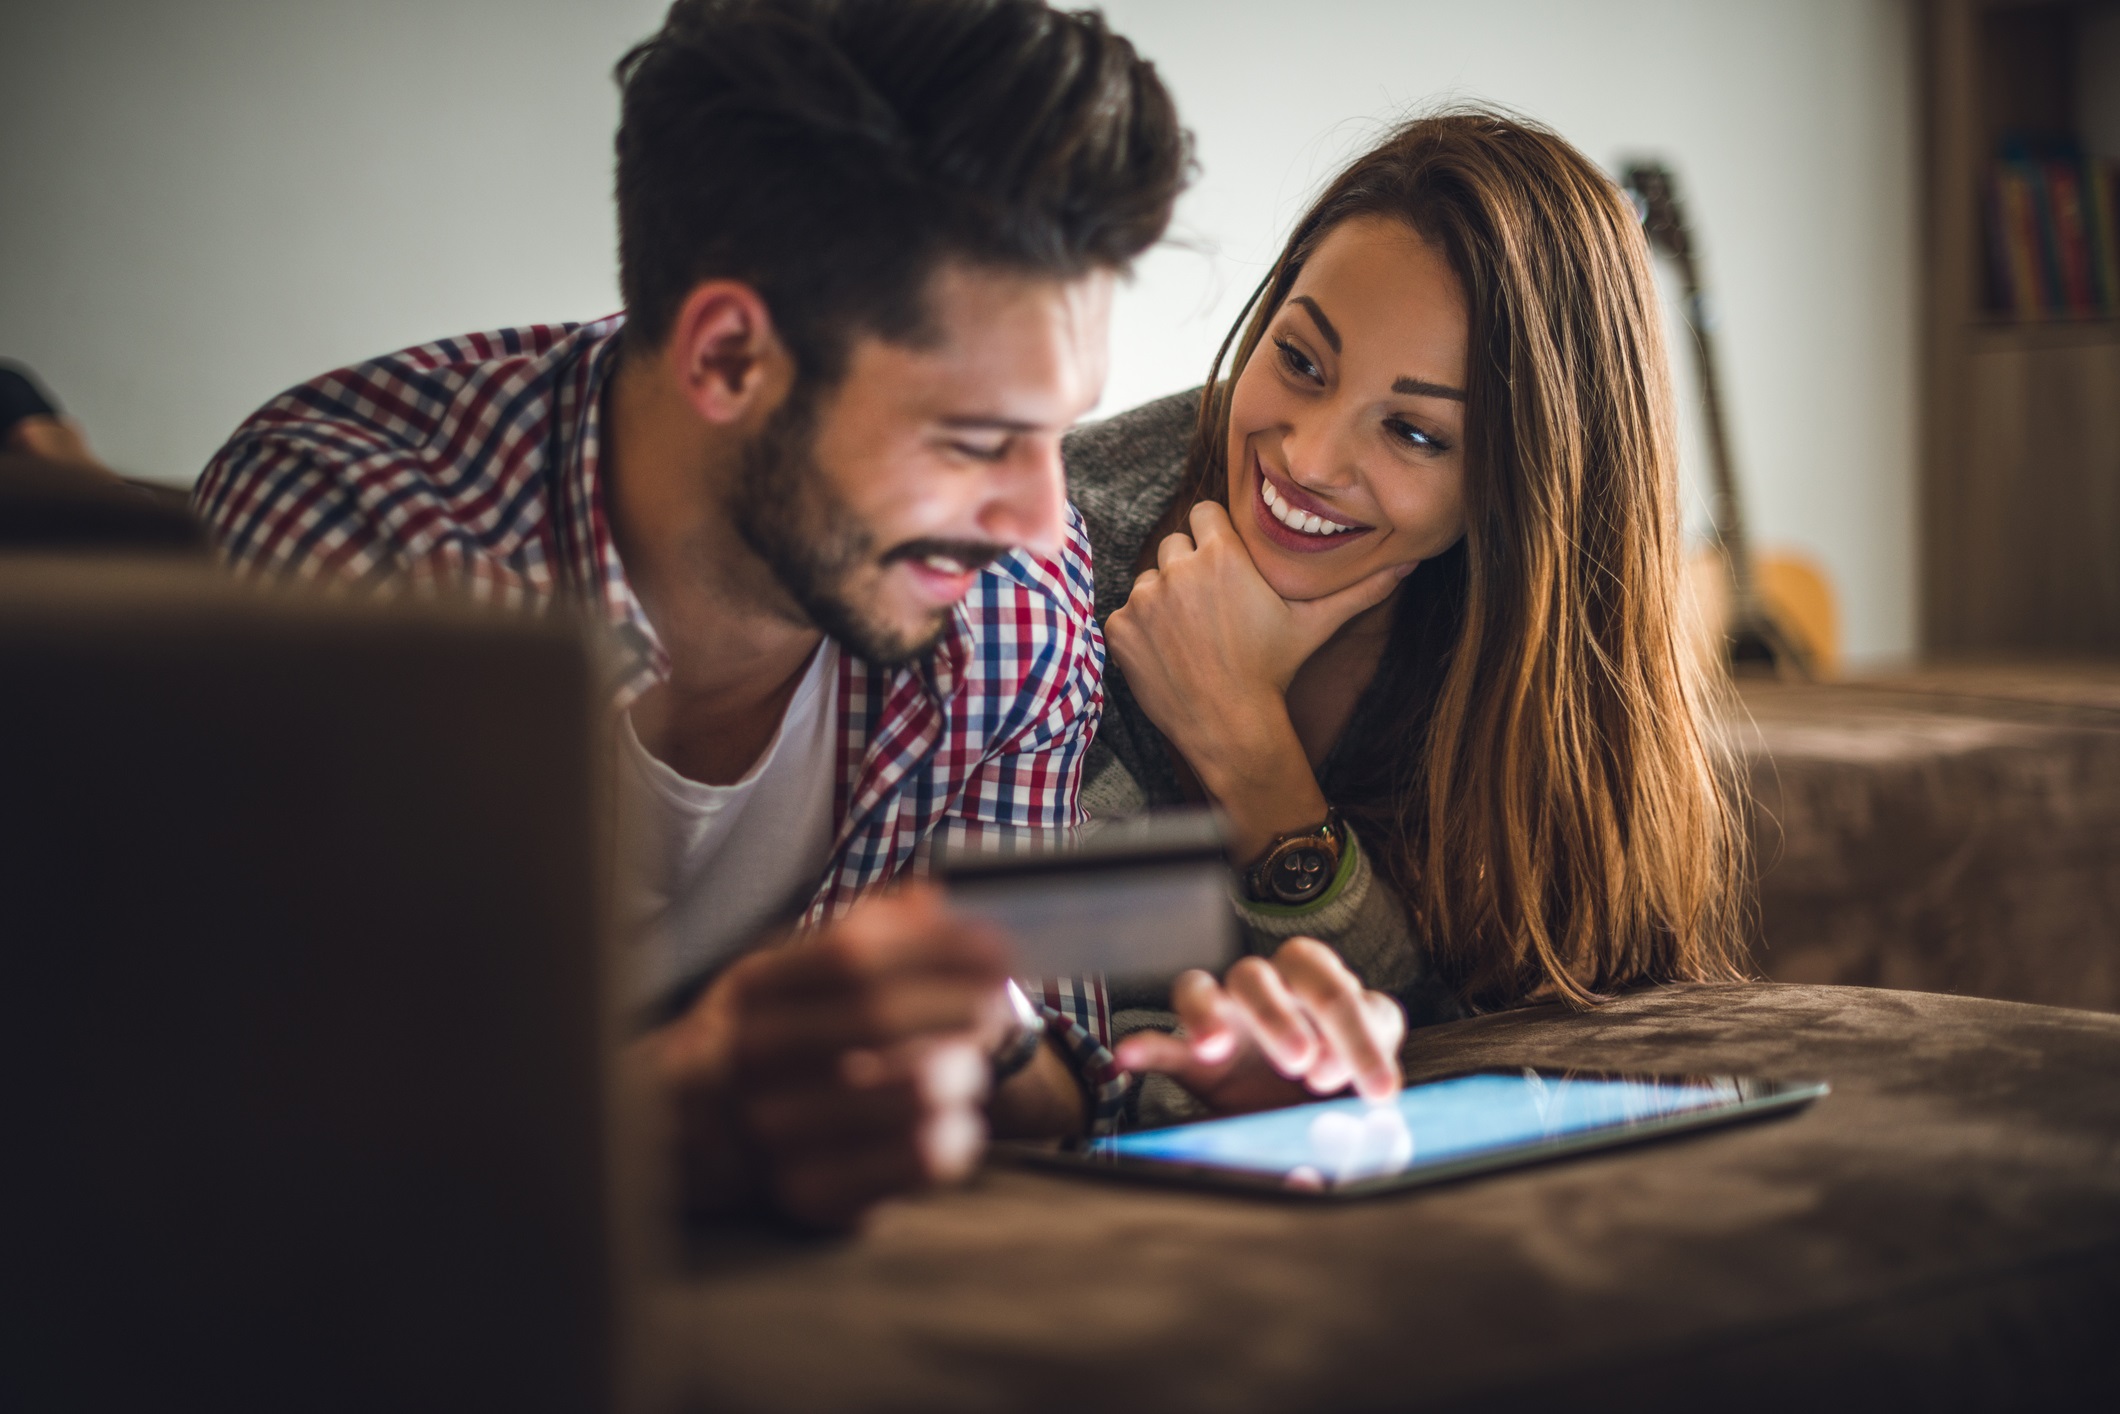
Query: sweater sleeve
{"points": [[1361, 918]]}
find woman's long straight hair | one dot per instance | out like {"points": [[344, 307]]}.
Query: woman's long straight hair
{"points": [[1534, 768]]}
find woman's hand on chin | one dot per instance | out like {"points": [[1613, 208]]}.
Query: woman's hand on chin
{"points": [[1276, 1033], [1209, 648]]}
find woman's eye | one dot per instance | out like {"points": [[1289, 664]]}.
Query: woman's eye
{"points": [[1414, 437], [1295, 361]]}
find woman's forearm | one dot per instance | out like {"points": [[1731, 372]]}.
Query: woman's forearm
{"points": [[1252, 764]]}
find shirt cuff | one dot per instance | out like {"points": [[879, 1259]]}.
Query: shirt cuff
{"points": [[1104, 1085]]}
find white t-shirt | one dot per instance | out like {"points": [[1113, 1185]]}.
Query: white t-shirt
{"points": [[716, 865]]}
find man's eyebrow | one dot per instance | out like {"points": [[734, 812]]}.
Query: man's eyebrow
{"points": [[1310, 306], [987, 424], [1422, 388]]}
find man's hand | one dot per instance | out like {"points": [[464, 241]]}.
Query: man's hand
{"points": [[1276, 1033], [838, 1069]]}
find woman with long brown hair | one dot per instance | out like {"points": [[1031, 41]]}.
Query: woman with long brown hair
{"points": [[1398, 592]]}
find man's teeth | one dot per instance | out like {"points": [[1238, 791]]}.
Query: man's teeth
{"points": [[1295, 519], [944, 564]]}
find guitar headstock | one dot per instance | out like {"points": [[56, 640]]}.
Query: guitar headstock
{"points": [[1655, 194]]}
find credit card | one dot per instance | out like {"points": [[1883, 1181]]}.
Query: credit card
{"points": [[1141, 898]]}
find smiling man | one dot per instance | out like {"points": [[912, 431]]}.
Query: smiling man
{"points": [[811, 478]]}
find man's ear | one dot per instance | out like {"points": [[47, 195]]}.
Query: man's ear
{"points": [[724, 354]]}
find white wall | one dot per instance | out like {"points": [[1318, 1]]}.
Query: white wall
{"points": [[204, 201], [201, 203]]}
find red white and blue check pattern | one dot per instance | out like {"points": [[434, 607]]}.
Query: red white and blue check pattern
{"points": [[473, 464]]}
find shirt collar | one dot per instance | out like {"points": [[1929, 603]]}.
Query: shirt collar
{"points": [[583, 515]]}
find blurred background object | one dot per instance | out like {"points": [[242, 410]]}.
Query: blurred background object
{"points": [[31, 423], [302, 1044], [55, 495]]}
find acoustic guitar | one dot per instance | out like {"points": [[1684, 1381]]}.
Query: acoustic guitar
{"points": [[1775, 613]]}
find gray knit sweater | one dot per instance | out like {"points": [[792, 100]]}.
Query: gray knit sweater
{"points": [[1121, 474]]}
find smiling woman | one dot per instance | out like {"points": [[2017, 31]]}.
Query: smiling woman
{"points": [[1399, 595]]}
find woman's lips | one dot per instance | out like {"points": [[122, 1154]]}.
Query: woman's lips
{"points": [[1303, 542]]}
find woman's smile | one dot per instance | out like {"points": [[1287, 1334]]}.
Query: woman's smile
{"points": [[1295, 520]]}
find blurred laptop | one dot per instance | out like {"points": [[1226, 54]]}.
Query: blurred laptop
{"points": [[302, 1034]]}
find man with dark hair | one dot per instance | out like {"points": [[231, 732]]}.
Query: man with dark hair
{"points": [[812, 480]]}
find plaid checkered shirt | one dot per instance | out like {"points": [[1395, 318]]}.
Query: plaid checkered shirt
{"points": [[473, 464]]}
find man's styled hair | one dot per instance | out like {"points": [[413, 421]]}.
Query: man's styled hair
{"points": [[833, 153]]}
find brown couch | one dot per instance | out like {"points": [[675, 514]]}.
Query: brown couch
{"points": [[1953, 830], [1941, 1232]]}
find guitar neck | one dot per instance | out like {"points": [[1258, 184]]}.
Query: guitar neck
{"points": [[1727, 510]]}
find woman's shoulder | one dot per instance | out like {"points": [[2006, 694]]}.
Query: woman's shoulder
{"points": [[1140, 442], [1121, 473]]}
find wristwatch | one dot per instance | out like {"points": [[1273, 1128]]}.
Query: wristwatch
{"points": [[1298, 866], [1020, 1046]]}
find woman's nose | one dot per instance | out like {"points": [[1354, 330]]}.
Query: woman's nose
{"points": [[1318, 454]]}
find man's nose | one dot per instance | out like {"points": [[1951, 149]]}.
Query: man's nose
{"points": [[1028, 507]]}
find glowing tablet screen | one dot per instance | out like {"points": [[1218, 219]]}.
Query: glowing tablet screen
{"points": [[1444, 1123]]}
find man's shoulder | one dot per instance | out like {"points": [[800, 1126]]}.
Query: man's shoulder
{"points": [[396, 448], [1062, 581], [1029, 626], [418, 396]]}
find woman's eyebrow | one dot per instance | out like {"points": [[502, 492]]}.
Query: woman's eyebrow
{"points": [[1422, 388], [1310, 307], [1412, 387]]}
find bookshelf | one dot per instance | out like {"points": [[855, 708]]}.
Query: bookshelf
{"points": [[2020, 488]]}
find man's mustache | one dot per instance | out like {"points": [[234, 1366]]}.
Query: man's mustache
{"points": [[974, 555]]}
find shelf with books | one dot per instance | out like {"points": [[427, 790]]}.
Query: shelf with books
{"points": [[2020, 478], [2052, 233]]}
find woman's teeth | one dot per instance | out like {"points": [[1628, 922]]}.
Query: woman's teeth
{"points": [[1295, 519]]}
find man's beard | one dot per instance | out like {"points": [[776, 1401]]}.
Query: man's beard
{"points": [[817, 548]]}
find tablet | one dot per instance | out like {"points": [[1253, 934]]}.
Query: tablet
{"points": [[1432, 1132]]}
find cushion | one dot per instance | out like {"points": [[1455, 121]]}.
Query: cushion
{"points": [[1955, 830]]}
